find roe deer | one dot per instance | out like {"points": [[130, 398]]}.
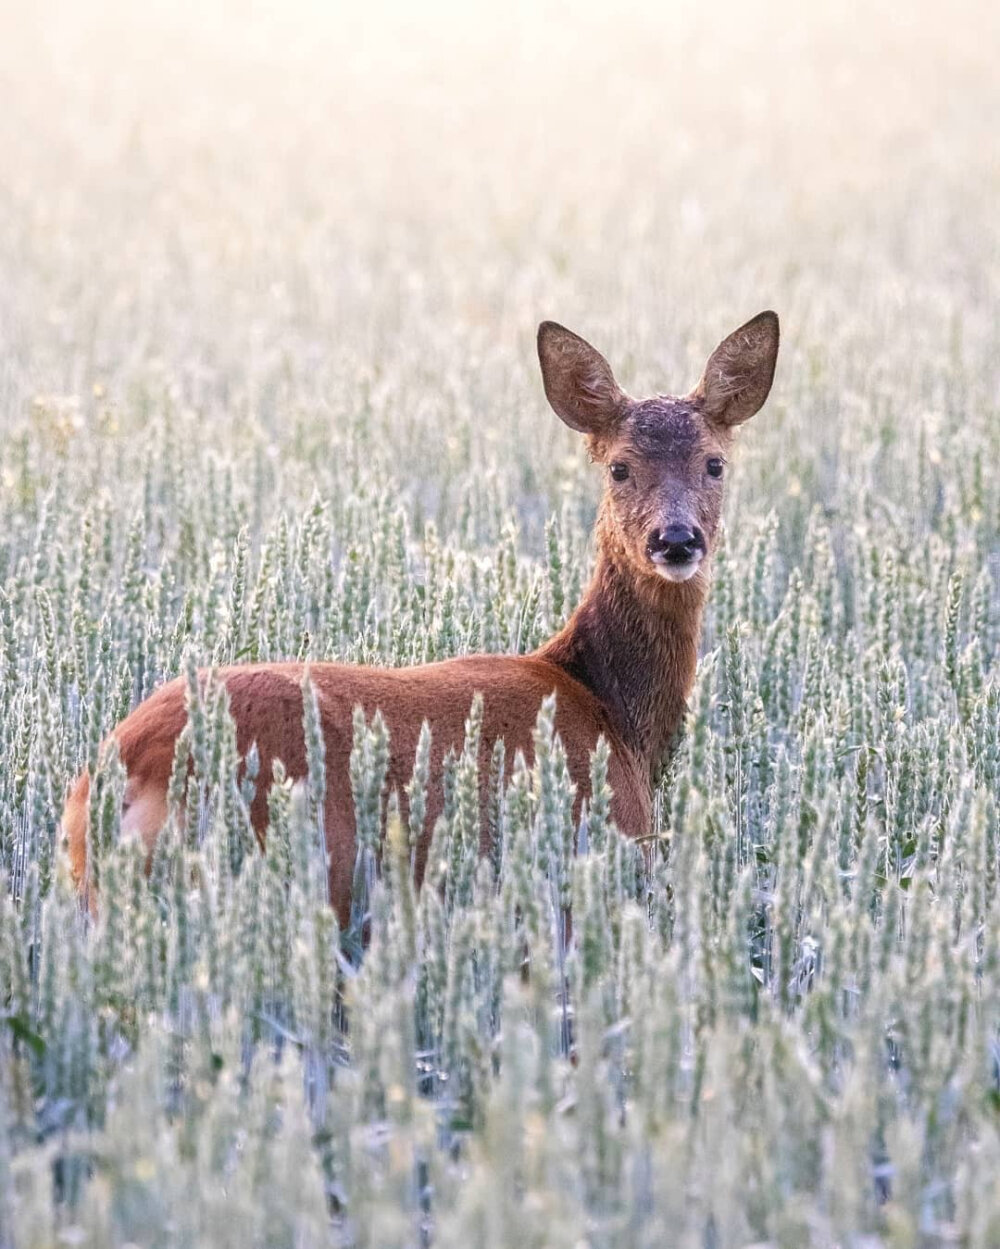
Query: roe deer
{"points": [[623, 666]]}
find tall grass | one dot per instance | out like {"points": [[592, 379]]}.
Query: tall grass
{"points": [[267, 391]]}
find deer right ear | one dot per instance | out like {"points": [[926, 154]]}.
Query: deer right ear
{"points": [[739, 373], [578, 381]]}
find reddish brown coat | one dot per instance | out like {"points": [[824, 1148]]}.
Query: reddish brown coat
{"points": [[266, 705]]}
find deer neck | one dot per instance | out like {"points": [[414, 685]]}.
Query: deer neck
{"points": [[633, 642]]}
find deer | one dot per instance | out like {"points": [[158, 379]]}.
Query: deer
{"points": [[623, 666]]}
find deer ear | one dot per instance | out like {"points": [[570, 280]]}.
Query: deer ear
{"points": [[578, 381], [739, 372]]}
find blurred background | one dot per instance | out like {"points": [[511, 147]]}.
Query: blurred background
{"points": [[277, 217]]}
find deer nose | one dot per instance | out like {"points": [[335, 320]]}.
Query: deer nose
{"points": [[676, 544]]}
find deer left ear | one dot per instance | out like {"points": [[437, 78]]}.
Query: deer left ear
{"points": [[739, 372], [578, 381]]}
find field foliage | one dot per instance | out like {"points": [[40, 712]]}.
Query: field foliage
{"points": [[268, 290]]}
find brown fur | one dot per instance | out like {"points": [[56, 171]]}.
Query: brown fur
{"points": [[622, 667]]}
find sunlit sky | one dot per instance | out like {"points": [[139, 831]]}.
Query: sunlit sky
{"points": [[162, 161]]}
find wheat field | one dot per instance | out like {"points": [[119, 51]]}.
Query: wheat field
{"points": [[269, 285]]}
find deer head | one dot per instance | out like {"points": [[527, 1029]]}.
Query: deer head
{"points": [[664, 457]]}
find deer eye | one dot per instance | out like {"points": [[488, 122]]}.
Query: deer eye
{"points": [[714, 467], [619, 472]]}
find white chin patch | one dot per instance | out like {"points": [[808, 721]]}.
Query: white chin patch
{"points": [[677, 572]]}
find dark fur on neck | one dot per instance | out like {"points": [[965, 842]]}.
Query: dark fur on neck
{"points": [[633, 642]]}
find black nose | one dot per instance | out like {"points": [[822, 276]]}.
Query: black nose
{"points": [[678, 543]]}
